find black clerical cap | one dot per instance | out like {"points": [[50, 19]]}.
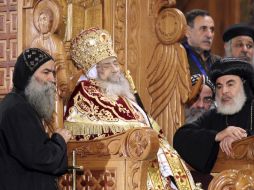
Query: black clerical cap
{"points": [[205, 80], [196, 86], [233, 66], [27, 63], [241, 29]]}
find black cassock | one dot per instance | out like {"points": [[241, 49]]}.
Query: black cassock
{"points": [[195, 142], [29, 159]]}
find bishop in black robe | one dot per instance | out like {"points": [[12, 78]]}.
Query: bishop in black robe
{"points": [[29, 158], [195, 142]]}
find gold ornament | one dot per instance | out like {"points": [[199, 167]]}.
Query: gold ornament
{"points": [[90, 47]]}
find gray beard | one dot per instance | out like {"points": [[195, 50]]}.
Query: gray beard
{"points": [[236, 106], [41, 97], [114, 88], [192, 114]]}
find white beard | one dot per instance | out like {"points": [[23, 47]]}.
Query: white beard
{"points": [[41, 97], [114, 88], [235, 106]]}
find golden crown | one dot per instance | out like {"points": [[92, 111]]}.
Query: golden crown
{"points": [[90, 47]]}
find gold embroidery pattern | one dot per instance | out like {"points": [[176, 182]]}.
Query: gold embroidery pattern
{"points": [[181, 173], [91, 111]]}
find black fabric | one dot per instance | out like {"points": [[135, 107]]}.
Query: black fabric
{"points": [[206, 65], [29, 159], [204, 179], [27, 63], [241, 29], [195, 142], [233, 66]]}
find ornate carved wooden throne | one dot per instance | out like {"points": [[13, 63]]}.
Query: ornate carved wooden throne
{"points": [[146, 37], [116, 162]]}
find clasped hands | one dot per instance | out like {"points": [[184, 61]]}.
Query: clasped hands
{"points": [[227, 136], [66, 134]]}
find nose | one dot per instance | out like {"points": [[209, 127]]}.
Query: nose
{"points": [[115, 68], [244, 48], [200, 103], [51, 77], [209, 33], [224, 89]]}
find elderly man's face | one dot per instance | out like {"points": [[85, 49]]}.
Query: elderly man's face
{"points": [[205, 99], [41, 90], [108, 70], [46, 72], [242, 46], [230, 95]]}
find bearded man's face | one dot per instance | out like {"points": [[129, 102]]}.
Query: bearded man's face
{"points": [[109, 70], [41, 95], [41, 90], [230, 95]]}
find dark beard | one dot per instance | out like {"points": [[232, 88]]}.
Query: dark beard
{"points": [[41, 97]]}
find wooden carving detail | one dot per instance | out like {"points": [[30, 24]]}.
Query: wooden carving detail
{"points": [[242, 179], [135, 144], [136, 179], [244, 149], [91, 179], [168, 72], [243, 155], [8, 44], [47, 17], [120, 30], [156, 6], [108, 162]]}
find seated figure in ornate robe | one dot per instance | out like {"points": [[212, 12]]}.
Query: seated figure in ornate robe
{"points": [[103, 104]]}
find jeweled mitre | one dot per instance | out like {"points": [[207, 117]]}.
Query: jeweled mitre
{"points": [[90, 47]]}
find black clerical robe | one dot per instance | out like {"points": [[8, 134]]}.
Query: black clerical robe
{"points": [[29, 159], [195, 142]]}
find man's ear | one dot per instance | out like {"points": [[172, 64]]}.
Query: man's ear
{"points": [[188, 31], [225, 45]]}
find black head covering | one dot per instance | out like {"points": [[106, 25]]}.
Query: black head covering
{"points": [[27, 63], [234, 66], [196, 86], [205, 79], [238, 30]]}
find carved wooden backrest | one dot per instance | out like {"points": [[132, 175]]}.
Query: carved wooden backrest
{"points": [[146, 41]]}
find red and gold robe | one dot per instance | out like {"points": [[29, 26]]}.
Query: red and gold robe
{"points": [[92, 114]]}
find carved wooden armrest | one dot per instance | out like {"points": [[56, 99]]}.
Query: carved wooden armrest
{"points": [[243, 155], [234, 179], [116, 162], [134, 144]]}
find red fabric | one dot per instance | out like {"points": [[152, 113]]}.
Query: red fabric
{"points": [[92, 96]]}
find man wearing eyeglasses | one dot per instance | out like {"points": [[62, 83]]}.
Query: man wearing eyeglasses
{"points": [[239, 42]]}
